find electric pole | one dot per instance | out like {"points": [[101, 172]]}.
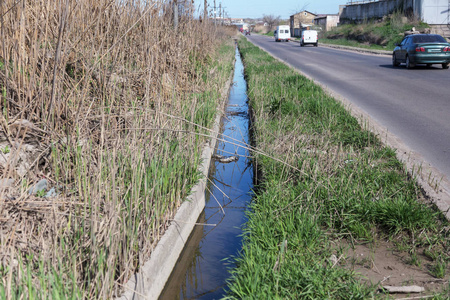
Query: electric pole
{"points": [[205, 11], [215, 13], [220, 12]]}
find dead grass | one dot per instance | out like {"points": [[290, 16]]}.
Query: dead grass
{"points": [[101, 98]]}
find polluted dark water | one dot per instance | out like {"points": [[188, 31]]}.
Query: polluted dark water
{"points": [[203, 267]]}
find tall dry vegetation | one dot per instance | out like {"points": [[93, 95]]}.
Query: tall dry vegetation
{"points": [[102, 99]]}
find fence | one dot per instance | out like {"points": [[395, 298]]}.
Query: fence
{"points": [[351, 2]]}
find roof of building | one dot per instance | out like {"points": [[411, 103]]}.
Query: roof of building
{"points": [[321, 16], [303, 11]]}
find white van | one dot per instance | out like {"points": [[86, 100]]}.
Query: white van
{"points": [[283, 33], [309, 37]]}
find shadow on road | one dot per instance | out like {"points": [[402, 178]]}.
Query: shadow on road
{"points": [[416, 68]]}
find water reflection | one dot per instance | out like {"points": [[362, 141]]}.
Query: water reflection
{"points": [[202, 268]]}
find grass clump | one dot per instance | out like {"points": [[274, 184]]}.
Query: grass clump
{"points": [[109, 103], [324, 178]]}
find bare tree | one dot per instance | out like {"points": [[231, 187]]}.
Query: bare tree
{"points": [[300, 9], [271, 20], [180, 9]]}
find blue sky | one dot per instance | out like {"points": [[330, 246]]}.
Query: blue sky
{"points": [[282, 8]]}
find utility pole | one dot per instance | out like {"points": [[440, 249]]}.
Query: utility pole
{"points": [[220, 13], [205, 11], [223, 14], [215, 13]]}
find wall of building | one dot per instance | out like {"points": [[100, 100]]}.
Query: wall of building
{"points": [[429, 11], [327, 22], [359, 12], [435, 11]]}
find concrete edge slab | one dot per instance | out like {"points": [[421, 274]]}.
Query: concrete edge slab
{"points": [[356, 49], [150, 281]]}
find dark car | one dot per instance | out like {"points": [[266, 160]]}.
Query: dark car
{"points": [[422, 49]]}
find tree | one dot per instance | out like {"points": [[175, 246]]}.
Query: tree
{"points": [[271, 20], [180, 9]]}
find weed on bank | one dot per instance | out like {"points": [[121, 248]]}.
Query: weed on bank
{"points": [[331, 181]]}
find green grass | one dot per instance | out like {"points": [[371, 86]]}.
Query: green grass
{"points": [[331, 179], [439, 268]]}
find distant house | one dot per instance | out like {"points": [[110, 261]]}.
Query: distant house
{"points": [[301, 20], [261, 23], [327, 21], [236, 20]]}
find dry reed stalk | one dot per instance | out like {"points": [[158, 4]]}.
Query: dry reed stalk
{"points": [[91, 75]]}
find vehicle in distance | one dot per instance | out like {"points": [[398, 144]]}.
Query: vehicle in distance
{"points": [[426, 49], [309, 37], [282, 33]]}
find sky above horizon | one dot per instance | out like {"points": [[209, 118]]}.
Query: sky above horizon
{"points": [[282, 8]]}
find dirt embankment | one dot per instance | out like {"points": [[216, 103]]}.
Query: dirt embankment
{"points": [[385, 32]]}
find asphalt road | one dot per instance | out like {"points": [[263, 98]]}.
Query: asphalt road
{"points": [[412, 104]]}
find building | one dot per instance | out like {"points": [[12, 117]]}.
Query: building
{"points": [[301, 20], [326, 22], [236, 20], [433, 12]]}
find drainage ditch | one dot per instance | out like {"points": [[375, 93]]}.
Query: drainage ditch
{"points": [[203, 267]]}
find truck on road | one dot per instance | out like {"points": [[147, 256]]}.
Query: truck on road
{"points": [[309, 37], [282, 33]]}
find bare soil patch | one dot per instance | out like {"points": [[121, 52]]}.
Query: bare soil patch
{"points": [[382, 263]]}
